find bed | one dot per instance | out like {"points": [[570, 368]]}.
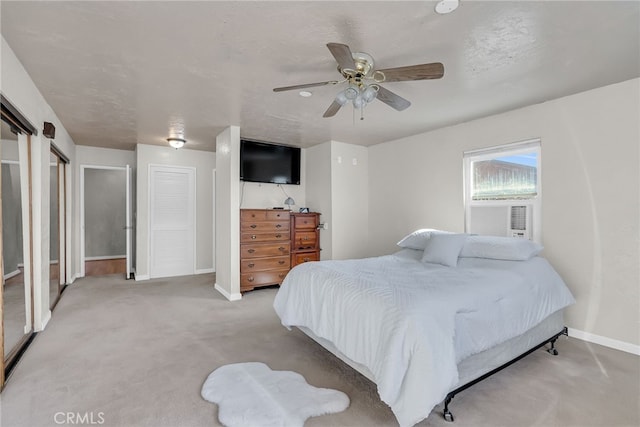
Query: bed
{"points": [[429, 320]]}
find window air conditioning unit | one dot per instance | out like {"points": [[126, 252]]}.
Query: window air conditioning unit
{"points": [[501, 220], [520, 221]]}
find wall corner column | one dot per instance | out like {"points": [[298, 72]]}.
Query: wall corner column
{"points": [[227, 217]]}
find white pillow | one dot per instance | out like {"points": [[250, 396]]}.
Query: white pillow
{"points": [[418, 239], [444, 249], [495, 247]]}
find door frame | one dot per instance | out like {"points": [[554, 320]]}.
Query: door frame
{"points": [[127, 171]]}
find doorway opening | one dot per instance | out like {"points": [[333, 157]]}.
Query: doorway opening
{"points": [[106, 229]]}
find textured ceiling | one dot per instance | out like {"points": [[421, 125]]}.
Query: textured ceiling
{"points": [[121, 73]]}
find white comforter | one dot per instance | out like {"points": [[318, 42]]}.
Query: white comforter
{"points": [[398, 316]]}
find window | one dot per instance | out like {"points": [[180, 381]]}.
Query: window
{"points": [[502, 190]]}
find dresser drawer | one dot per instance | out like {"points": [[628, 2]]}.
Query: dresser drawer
{"points": [[277, 215], [249, 215], [305, 257], [260, 264], [261, 250], [264, 226], [305, 221], [305, 240], [276, 236], [260, 278]]}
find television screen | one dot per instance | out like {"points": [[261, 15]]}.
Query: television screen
{"points": [[262, 162]]}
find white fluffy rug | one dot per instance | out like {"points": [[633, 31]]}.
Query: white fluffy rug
{"points": [[251, 394]]}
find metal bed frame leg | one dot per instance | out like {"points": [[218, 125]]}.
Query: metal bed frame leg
{"points": [[448, 416], [552, 350]]}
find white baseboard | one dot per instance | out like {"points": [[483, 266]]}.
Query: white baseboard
{"points": [[73, 278], [227, 295], [140, 277], [12, 274], [205, 271], [45, 321], [604, 341]]}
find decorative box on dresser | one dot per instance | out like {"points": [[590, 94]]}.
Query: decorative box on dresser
{"points": [[265, 247], [305, 237]]}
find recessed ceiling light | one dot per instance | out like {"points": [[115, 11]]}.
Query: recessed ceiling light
{"points": [[305, 93], [446, 6]]}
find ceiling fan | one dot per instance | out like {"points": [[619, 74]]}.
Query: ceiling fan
{"points": [[357, 69]]}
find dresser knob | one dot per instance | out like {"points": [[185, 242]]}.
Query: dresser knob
{"points": [[281, 248], [253, 226], [251, 265], [250, 279], [278, 236], [281, 275], [278, 225], [305, 259], [253, 236], [281, 262], [251, 251]]}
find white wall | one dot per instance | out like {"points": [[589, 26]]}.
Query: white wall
{"points": [[227, 213], [19, 89], [318, 167], [590, 181], [204, 162], [338, 188], [349, 200]]}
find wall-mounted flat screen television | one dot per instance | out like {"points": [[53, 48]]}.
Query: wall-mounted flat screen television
{"points": [[271, 163]]}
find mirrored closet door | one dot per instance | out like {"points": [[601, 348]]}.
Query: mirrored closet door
{"points": [[16, 292], [57, 227]]}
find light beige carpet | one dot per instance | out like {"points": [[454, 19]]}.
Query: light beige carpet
{"points": [[139, 353]]}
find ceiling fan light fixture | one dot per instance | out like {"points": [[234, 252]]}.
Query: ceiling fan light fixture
{"points": [[359, 102], [352, 92], [370, 93], [446, 6], [305, 93], [176, 142], [341, 98]]}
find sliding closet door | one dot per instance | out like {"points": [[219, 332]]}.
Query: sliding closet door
{"points": [[54, 233], [16, 293], [57, 227]]}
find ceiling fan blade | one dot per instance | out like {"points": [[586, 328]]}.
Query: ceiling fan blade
{"points": [[342, 54], [392, 100], [435, 70], [282, 89], [332, 110]]}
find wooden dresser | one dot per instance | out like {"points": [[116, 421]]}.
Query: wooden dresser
{"points": [[265, 247], [305, 237]]}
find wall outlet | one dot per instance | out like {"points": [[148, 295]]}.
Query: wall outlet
{"points": [[323, 226]]}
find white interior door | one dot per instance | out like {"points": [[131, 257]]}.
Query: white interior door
{"points": [[172, 221]]}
